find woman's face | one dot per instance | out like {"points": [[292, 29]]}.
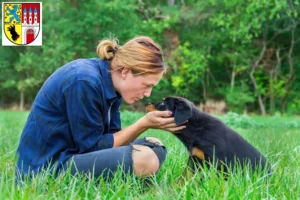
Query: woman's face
{"points": [[134, 88]]}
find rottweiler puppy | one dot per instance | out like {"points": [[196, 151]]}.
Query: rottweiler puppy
{"points": [[209, 140]]}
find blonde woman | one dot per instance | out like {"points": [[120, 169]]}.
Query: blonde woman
{"points": [[75, 118]]}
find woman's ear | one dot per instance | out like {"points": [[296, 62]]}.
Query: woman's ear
{"points": [[183, 111], [125, 72]]}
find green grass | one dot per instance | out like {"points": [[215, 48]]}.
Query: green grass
{"points": [[275, 137]]}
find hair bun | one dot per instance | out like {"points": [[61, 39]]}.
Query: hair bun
{"points": [[107, 48]]}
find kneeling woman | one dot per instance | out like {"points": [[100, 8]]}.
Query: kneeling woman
{"points": [[75, 118]]}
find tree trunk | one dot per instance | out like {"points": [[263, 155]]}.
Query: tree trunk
{"points": [[232, 80], [271, 84], [21, 106], [259, 98], [254, 67], [275, 73], [171, 40], [204, 90], [74, 3], [171, 2], [291, 67]]}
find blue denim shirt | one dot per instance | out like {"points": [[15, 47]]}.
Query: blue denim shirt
{"points": [[70, 116]]}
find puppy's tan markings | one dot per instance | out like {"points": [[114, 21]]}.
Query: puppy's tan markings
{"points": [[198, 153], [150, 108]]}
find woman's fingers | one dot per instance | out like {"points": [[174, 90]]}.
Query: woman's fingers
{"points": [[171, 124], [167, 121], [162, 113], [172, 127], [163, 120], [175, 129]]}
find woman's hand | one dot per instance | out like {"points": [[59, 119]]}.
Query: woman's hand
{"points": [[160, 120]]}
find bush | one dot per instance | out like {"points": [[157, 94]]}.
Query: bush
{"points": [[238, 97], [292, 124], [240, 121]]}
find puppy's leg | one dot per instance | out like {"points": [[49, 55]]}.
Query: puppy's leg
{"points": [[188, 171], [194, 164]]}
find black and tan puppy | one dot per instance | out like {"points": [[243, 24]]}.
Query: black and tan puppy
{"points": [[209, 140]]}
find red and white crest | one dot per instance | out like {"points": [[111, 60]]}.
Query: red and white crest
{"points": [[22, 24]]}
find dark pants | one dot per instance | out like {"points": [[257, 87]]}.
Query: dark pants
{"points": [[106, 162]]}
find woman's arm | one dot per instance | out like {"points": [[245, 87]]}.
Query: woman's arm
{"points": [[154, 120]]}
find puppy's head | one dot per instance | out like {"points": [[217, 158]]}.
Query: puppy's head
{"points": [[181, 108]]}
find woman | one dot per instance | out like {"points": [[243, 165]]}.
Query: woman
{"points": [[75, 118]]}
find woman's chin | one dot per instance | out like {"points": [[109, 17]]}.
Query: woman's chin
{"points": [[130, 101]]}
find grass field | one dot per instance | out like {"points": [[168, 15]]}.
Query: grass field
{"points": [[278, 138]]}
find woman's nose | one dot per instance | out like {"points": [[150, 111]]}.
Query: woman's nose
{"points": [[147, 93]]}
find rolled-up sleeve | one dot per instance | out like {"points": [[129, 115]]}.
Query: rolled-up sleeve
{"points": [[84, 106]]}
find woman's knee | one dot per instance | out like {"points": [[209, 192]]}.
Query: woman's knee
{"points": [[158, 147], [147, 159], [145, 162]]}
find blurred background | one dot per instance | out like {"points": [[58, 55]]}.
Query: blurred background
{"points": [[238, 56]]}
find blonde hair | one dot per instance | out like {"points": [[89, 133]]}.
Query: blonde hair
{"points": [[141, 54]]}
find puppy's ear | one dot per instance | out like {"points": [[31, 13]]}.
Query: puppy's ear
{"points": [[183, 111]]}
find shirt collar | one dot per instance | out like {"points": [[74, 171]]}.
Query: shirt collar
{"points": [[109, 89]]}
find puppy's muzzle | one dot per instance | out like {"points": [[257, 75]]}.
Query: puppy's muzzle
{"points": [[150, 107]]}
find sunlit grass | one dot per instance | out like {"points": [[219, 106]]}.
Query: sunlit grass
{"points": [[279, 143]]}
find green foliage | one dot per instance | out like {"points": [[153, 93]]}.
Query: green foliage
{"points": [[29, 71], [237, 97], [157, 20], [278, 87], [210, 48], [188, 67], [293, 124], [294, 107], [239, 121], [248, 19]]}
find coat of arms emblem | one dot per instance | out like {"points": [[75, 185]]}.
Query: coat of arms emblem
{"points": [[22, 24]]}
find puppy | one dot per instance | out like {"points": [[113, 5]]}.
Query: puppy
{"points": [[209, 140]]}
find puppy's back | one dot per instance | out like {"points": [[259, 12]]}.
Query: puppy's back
{"points": [[228, 146]]}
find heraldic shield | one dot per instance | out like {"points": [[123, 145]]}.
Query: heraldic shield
{"points": [[21, 22]]}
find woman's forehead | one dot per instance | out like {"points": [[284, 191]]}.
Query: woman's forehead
{"points": [[152, 79]]}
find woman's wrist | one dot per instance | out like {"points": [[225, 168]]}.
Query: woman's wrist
{"points": [[142, 123], [130, 133]]}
